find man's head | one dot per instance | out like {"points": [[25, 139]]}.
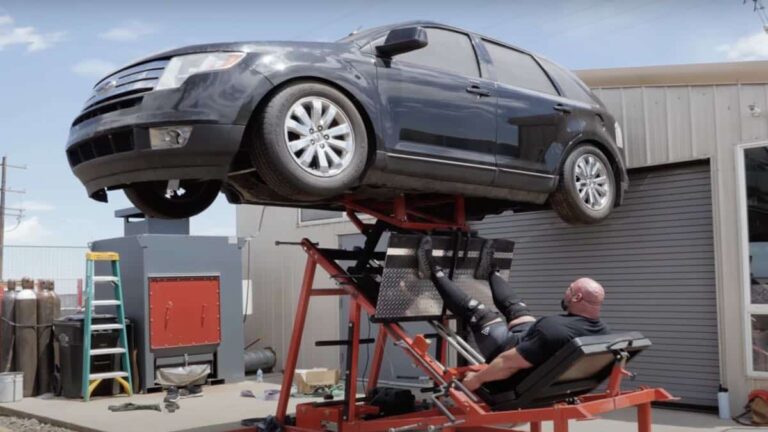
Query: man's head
{"points": [[584, 297]]}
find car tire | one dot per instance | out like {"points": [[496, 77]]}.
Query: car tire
{"points": [[292, 152], [585, 175], [153, 200]]}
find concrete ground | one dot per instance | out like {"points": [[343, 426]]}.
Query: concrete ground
{"points": [[664, 420], [222, 408]]}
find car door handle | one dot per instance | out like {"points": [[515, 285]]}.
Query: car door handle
{"points": [[476, 89], [562, 108]]}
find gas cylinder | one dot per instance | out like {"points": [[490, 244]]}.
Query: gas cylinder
{"points": [[6, 328], [45, 316], [56, 300], [25, 351]]}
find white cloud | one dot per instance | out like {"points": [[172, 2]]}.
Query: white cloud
{"points": [[28, 231], [25, 36], [128, 32], [36, 206], [93, 68], [753, 47]]}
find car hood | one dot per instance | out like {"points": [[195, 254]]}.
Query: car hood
{"points": [[248, 47]]}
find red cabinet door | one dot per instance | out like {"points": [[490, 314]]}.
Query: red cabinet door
{"points": [[184, 311]]}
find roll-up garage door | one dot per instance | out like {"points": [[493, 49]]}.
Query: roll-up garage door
{"points": [[655, 257]]}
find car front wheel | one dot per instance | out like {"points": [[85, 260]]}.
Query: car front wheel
{"points": [[166, 200], [311, 142], [586, 192]]}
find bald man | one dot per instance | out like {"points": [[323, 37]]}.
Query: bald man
{"points": [[512, 339]]}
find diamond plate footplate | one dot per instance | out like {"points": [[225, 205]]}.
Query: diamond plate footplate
{"points": [[405, 297]]}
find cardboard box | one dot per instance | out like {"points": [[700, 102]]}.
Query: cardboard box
{"points": [[308, 380]]}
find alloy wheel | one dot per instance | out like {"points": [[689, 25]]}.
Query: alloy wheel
{"points": [[592, 183], [319, 136]]}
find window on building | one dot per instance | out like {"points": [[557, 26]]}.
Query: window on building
{"points": [[447, 50], [569, 83], [518, 69], [312, 215], [756, 184]]}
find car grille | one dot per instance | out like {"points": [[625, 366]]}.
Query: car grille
{"points": [[128, 82], [104, 145], [108, 107]]}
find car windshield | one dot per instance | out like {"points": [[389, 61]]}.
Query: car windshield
{"points": [[362, 35]]}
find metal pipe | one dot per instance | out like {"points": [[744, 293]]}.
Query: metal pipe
{"points": [[452, 342], [458, 339]]}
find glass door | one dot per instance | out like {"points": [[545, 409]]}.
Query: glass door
{"points": [[754, 160]]}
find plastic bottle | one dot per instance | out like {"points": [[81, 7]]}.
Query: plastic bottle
{"points": [[723, 404], [259, 376]]}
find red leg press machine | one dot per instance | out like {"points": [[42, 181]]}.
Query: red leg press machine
{"points": [[560, 390]]}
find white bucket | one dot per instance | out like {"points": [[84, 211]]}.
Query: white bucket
{"points": [[11, 386]]}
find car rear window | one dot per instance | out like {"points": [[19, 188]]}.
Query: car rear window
{"points": [[447, 50], [569, 83], [518, 69]]}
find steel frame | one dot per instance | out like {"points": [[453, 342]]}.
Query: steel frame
{"points": [[465, 411]]}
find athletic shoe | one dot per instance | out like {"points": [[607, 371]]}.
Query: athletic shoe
{"points": [[485, 261], [172, 394], [424, 257]]}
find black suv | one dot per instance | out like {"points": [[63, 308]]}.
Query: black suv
{"points": [[416, 107]]}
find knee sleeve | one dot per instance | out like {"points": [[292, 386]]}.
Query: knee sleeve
{"points": [[506, 299], [480, 316], [513, 311]]}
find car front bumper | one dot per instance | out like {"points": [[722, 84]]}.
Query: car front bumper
{"points": [[109, 144]]}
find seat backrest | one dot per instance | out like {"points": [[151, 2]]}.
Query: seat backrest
{"points": [[576, 369]]}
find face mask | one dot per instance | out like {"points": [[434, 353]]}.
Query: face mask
{"points": [[564, 305]]}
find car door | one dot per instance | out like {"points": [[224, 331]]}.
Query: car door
{"points": [[438, 112], [532, 120]]}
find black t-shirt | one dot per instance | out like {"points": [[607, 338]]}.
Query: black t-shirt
{"points": [[548, 334]]}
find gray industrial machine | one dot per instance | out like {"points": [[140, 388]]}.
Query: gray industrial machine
{"points": [[184, 295]]}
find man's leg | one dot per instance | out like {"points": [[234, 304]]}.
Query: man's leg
{"points": [[508, 302], [489, 328]]}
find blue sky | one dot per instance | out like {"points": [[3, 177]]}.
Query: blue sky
{"points": [[52, 52]]}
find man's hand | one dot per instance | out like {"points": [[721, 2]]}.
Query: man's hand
{"points": [[471, 382], [502, 367]]}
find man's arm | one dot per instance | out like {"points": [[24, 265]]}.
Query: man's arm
{"points": [[503, 366]]}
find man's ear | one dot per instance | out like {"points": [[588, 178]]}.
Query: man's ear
{"points": [[576, 297]]}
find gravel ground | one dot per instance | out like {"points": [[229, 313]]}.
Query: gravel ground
{"points": [[17, 424]]}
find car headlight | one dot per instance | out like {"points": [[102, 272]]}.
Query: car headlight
{"points": [[619, 135], [182, 67]]}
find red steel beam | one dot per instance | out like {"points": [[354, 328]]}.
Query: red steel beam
{"points": [[298, 331], [378, 356], [354, 319]]}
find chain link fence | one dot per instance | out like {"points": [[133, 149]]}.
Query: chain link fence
{"points": [[65, 265]]}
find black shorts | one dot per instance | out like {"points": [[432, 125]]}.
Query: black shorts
{"points": [[496, 338]]}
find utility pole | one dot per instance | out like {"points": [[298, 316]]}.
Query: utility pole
{"points": [[18, 212]]}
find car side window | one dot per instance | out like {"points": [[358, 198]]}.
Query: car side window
{"points": [[518, 69], [569, 83], [447, 50]]}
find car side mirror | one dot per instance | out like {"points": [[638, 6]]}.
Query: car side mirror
{"points": [[402, 40]]}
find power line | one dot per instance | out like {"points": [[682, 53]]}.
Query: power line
{"points": [[759, 8], [4, 211]]}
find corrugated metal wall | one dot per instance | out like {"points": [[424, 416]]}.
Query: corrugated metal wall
{"points": [[654, 256], [678, 123]]}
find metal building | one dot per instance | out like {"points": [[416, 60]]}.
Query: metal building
{"points": [[684, 260]]}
